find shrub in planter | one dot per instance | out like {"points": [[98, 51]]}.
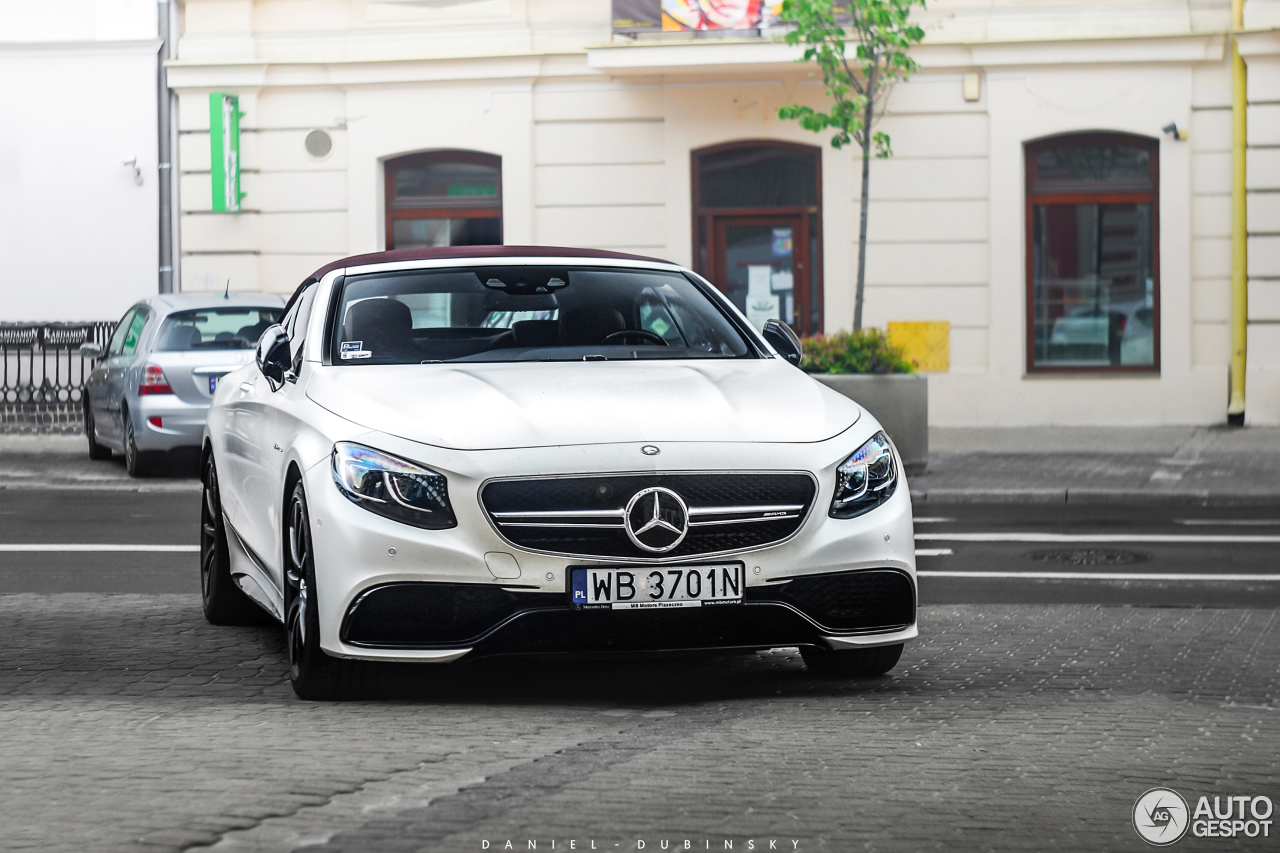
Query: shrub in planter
{"points": [[866, 351]]}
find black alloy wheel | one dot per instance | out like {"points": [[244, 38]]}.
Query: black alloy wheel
{"points": [[852, 663], [96, 450], [224, 602], [313, 674], [134, 462]]}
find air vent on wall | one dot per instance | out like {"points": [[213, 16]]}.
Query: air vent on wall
{"points": [[319, 144]]}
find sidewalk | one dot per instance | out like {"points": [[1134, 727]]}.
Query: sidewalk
{"points": [[1183, 465], [62, 462]]}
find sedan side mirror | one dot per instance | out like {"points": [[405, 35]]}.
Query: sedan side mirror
{"points": [[273, 355], [91, 350], [782, 339]]}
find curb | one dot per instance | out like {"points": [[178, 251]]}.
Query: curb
{"points": [[1093, 497], [192, 485]]}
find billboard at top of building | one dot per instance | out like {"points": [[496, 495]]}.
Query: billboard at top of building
{"points": [[649, 16]]}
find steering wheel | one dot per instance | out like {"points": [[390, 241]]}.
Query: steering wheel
{"points": [[652, 337]]}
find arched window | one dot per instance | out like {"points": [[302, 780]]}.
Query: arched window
{"points": [[1093, 259], [757, 225], [444, 198]]}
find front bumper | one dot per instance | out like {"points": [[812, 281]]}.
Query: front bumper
{"points": [[484, 620], [528, 611]]}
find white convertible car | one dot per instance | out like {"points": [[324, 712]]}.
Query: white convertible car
{"points": [[443, 454]]}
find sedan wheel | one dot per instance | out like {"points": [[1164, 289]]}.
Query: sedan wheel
{"points": [[224, 602], [96, 451], [313, 674], [852, 663], [134, 463]]}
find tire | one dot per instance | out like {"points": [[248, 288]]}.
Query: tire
{"points": [[96, 451], [852, 663], [135, 462], [313, 674], [224, 602]]}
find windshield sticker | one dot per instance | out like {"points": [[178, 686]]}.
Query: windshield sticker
{"points": [[354, 349]]}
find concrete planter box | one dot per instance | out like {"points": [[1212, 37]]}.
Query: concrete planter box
{"points": [[900, 401]]}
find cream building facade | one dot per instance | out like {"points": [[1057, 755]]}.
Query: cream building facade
{"points": [[558, 131], [79, 157]]}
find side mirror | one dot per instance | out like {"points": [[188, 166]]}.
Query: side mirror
{"points": [[782, 339], [91, 350], [273, 355]]}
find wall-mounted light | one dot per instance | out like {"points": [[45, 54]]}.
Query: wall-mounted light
{"points": [[1172, 129], [132, 163]]}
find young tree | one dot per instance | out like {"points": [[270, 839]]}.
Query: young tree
{"points": [[858, 86]]}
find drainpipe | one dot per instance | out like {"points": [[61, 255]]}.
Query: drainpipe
{"points": [[164, 127], [1239, 225]]}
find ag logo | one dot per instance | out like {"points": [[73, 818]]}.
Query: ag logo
{"points": [[1160, 816]]}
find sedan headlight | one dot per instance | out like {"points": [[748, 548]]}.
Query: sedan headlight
{"points": [[391, 487], [866, 479]]}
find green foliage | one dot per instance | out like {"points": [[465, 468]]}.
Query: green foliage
{"points": [[882, 33], [867, 351]]}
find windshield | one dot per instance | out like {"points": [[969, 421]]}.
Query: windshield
{"points": [[529, 314], [215, 328]]}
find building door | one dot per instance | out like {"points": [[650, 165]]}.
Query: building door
{"points": [[758, 267], [758, 229], [444, 198]]}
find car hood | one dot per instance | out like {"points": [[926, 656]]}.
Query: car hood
{"points": [[499, 406]]}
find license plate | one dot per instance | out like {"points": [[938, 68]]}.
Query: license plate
{"points": [[213, 383], [656, 587]]}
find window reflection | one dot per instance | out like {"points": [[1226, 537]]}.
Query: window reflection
{"points": [[1093, 273], [444, 198]]}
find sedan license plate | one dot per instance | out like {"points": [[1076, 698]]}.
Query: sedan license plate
{"points": [[213, 383], [656, 587]]}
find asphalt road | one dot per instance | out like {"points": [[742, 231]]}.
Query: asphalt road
{"points": [[1070, 659], [967, 554]]}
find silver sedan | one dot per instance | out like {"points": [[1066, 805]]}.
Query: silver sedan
{"points": [[150, 391]]}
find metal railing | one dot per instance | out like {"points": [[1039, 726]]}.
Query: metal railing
{"points": [[42, 374]]}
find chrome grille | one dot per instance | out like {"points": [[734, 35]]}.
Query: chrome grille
{"points": [[584, 516]]}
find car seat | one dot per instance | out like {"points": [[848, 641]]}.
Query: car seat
{"points": [[536, 333], [589, 325], [252, 333], [181, 337], [383, 326]]}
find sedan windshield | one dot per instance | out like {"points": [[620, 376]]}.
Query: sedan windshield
{"points": [[530, 313], [215, 328]]}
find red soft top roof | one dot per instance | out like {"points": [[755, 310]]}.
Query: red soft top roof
{"points": [[467, 252]]}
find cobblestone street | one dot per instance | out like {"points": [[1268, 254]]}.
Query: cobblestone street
{"points": [[130, 724]]}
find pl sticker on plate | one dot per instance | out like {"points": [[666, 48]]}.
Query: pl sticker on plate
{"points": [[354, 349]]}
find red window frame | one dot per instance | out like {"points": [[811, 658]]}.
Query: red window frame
{"points": [[439, 211], [708, 222], [1101, 195]]}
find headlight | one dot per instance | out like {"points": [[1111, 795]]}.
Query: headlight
{"points": [[866, 479], [392, 487]]}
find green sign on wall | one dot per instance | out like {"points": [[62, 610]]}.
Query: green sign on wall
{"points": [[224, 151]]}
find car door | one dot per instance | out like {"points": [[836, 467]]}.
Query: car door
{"points": [[105, 376], [120, 373], [261, 458], [244, 463], [287, 414], [95, 386]]}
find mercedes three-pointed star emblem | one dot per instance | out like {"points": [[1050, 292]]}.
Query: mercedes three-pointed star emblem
{"points": [[657, 519]]}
